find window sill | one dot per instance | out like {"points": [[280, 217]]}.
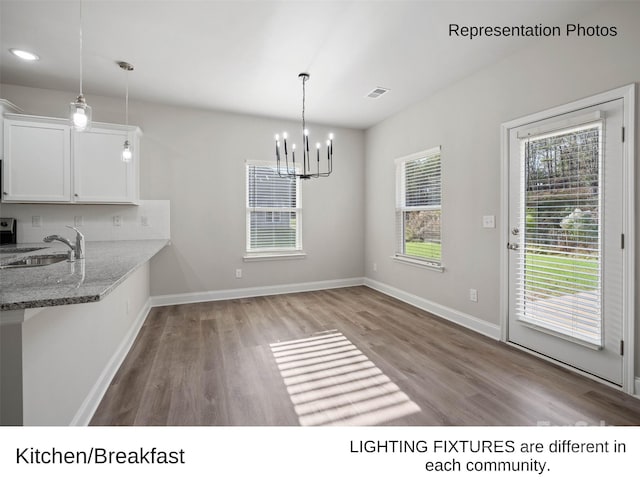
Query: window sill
{"points": [[266, 256], [418, 263]]}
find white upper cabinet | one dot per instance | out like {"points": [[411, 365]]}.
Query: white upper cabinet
{"points": [[37, 162], [46, 162], [5, 107], [99, 174]]}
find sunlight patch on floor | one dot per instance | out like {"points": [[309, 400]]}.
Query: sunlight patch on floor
{"points": [[331, 382]]}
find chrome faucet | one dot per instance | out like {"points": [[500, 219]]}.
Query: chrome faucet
{"points": [[77, 250]]}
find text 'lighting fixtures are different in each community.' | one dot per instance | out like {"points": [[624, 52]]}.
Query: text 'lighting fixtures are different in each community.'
{"points": [[127, 154], [305, 171], [80, 111]]}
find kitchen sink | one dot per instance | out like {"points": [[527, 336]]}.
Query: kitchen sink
{"points": [[4, 250], [37, 261]]}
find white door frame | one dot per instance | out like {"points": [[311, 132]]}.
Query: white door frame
{"points": [[627, 94]]}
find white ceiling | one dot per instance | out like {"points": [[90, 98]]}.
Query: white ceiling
{"points": [[245, 56]]}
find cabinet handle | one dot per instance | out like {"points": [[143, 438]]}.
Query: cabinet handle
{"points": [[75, 194], [5, 193]]}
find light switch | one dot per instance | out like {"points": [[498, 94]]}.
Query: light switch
{"points": [[489, 221]]}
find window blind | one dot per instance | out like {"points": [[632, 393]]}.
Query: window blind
{"points": [[273, 210], [418, 206], [559, 267]]}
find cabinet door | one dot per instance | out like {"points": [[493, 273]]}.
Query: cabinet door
{"points": [[37, 162], [100, 175]]}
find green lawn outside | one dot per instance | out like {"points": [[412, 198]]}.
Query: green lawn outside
{"points": [[560, 273], [426, 250]]}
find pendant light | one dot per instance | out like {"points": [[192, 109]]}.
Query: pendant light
{"points": [[304, 171], [127, 153], [80, 111]]}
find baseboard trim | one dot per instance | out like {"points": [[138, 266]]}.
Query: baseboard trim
{"points": [[89, 406], [455, 316], [214, 295]]}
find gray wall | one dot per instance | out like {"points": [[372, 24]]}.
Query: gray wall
{"points": [[195, 158], [465, 119]]}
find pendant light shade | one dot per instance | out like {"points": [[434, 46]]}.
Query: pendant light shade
{"points": [[80, 111], [80, 114], [127, 153]]}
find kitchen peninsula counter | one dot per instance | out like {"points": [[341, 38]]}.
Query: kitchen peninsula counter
{"points": [[105, 266]]}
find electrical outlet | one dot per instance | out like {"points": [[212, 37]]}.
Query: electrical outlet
{"points": [[489, 221], [78, 221], [473, 295], [238, 273], [144, 221], [375, 267], [36, 221], [117, 221]]}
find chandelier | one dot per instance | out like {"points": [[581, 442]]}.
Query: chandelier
{"points": [[304, 171]]}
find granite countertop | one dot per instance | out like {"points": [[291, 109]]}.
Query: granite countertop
{"points": [[105, 266]]}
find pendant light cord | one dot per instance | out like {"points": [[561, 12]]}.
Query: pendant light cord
{"points": [[81, 48], [126, 101]]}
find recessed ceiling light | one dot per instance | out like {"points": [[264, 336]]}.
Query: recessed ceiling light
{"points": [[24, 55]]}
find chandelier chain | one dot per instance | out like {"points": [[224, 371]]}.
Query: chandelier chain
{"points": [[304, 96]]}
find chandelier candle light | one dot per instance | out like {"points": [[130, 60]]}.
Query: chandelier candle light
{"points": [[306, 171], [79, 111], [127, 154]]}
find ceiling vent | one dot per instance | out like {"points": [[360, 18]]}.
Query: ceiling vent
{"points": [[377, 92]]}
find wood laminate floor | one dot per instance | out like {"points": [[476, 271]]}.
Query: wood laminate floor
{"points": [[350, 355]]}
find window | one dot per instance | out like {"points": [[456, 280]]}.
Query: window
{"points": [[273, 211], [418, 207]]}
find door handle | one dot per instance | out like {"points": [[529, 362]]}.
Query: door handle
{"points": [[513, 246]]}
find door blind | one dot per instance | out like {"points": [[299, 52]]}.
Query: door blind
{"points": [[559, 285], [273, 210]]}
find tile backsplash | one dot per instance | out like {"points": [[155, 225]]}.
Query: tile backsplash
{"points": [[148, 220]]}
